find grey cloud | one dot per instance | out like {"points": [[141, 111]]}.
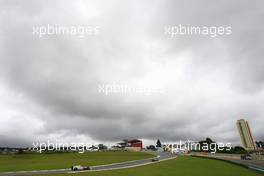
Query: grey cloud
{"points": [[209, 82]]}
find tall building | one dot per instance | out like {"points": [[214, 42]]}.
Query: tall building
{"points": [[246, 137]]}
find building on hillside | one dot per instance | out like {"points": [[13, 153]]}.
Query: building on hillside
{"points": [[134, 144]]}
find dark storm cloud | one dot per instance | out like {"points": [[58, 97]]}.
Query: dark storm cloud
{"points": [[209, 82]]}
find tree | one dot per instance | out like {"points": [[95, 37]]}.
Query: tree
{"points": [[20, 151], [158, 144], [209, 140], [239, 150], [260, 144], [102, 147], [151, 147], [208, 145]]}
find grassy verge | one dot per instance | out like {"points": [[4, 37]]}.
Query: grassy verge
{"points": [[36, 161]]}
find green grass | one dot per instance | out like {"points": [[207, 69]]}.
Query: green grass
{"points": [[181, 166], [36, 161]]}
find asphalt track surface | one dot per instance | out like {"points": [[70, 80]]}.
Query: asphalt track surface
{"points": [[162, 156]]}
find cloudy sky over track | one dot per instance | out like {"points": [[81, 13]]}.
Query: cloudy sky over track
{"points": [[49, 85]]}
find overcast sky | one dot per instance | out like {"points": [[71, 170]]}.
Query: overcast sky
{"points": [[49, 85]]}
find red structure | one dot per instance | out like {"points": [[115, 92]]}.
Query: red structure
{"points": [[136, 143]]}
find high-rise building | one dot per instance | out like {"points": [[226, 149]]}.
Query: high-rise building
{"points": [[245, 133]]}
